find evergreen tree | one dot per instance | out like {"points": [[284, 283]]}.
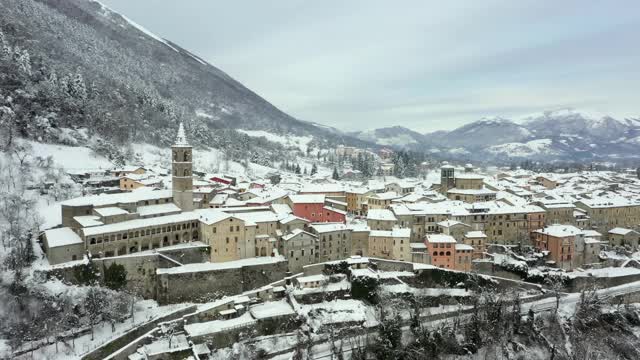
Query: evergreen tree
{"points": [[335, 175], [314, 169], [24, 62], [115, 276], [78, 88]]}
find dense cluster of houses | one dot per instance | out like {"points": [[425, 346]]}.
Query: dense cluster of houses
{"points": [[569, 218]]}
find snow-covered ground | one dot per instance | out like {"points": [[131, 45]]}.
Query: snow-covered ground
{"points": [[300, 142], [529, 148]]}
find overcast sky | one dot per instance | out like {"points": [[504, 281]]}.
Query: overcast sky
{"points": [[426, 65]]}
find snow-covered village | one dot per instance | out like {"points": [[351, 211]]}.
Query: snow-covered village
{"points": [[152, 207]]}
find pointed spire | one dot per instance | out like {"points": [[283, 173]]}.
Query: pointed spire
{"points": [[181, 139]]}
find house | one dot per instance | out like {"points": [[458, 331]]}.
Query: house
{"points": [[391, 244], [623, 237], [356, 198], [223, 179], [62, 245], [454, 228], [381, 219], [314, 208], [128, 170], [334, 240], [135, 181], [441, 249], [478, 240], [299, 248], [381, 200], [560, 242], [464, 255]]}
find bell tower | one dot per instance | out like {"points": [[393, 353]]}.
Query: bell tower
{"points": [[181, 170]]}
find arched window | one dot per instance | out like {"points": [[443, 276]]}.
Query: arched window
{"points": [[441, 253], [435, 253], [448, 253], [186, 156], [186, 172], [175, 156], [93, 241]]}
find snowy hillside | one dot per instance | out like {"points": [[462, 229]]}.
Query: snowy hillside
{"points": [[565, 134], [528, 149]]}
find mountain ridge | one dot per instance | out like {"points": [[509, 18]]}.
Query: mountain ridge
{"points": [[565, 134]]}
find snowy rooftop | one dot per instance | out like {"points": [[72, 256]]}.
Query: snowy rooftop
{"points": [[621, 231], [271, 309], [140, 223], [62, 237], [560, 230], [475, 234], [483, 191], [306, 199], [198, 267], [380, 214], [390, 195], [440, 238], [88, 220], [212, 216], [216, 326], [463, 247], [159, 209], [394, 233], [258, 217], [328, 227], [111, 199], [296, 232], [450, 223], [110, 211]]}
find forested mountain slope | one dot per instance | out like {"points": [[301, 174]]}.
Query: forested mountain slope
{"points": [[76, 64]]}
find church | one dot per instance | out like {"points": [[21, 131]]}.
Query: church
{"points": [[109, 225]]}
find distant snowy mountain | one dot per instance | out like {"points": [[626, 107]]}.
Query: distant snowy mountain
{"points": [[485, 132], [574, 123], [391, 136], [566, 134]]}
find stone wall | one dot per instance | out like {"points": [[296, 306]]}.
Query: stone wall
{"points": [[202, 286]]}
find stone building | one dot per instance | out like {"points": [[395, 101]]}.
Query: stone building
{"points": [[623, 237], [391, 244], [299, 247], [381, 219], [478, 240], [608, 213], [359, 239], [334, 241], [62, 245], [182, 172]]}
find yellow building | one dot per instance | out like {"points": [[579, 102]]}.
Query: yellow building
{"points": [[390, 244]]}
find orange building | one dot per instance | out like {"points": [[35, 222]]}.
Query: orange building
{"points": [[559, 241], [441, 249]]}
